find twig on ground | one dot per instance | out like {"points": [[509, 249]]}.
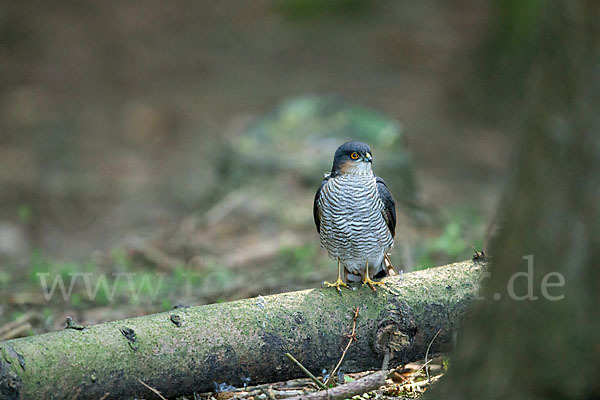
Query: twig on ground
{"points": [[263, 388], [296, 383], [414, 374], [421, 384], [267, 392], [307, 372], [427, 353], [365, 384], [156, 392], [17, 327], [153, 255], [17, 332], [352, 338], [287, 393], [252, 388]]}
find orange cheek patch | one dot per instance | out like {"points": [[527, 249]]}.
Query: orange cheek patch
{"points": [[347, 166]]}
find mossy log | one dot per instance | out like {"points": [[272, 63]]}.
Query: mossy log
{"points": [[245, 341]]}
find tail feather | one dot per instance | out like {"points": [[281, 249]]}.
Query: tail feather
{"points": [[391, 271]]}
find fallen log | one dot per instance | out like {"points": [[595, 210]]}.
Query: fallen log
{"points": [[190, 349]]}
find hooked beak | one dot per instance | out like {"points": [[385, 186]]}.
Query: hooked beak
{"points": [[368, 158]]}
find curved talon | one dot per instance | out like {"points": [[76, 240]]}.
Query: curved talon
{"points": [[366, 279], [337, 284], [372, 283]]}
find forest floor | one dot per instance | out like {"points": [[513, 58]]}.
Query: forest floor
{"points": [[118, 124], [409, 381]]}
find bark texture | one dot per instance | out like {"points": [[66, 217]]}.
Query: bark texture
{"points": [[545, 344], [188, 349]]}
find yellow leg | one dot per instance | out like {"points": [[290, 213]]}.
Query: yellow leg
{"points": [[339, 283], [367, 279]]}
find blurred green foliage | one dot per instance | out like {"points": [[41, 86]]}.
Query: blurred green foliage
{"points": [[166, 304], [215, 277], [121, 260], [38, 264], [517, 24], [25, 213], [120, 281], [301, 135], [5, 277], [462, 233], [301, 260]]}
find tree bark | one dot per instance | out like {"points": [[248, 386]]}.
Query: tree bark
{"points": [[542, 341], [188, 349]]}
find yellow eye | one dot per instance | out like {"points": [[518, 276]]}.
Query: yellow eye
{"points": [[354, 155]]}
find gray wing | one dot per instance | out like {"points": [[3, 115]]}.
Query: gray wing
{"points": [[316, 208], [389, 205]]}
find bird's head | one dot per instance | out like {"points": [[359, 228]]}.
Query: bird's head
{"points": [[352, 158]]}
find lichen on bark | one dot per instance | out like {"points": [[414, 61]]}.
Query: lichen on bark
{"points": [[243, 340]]}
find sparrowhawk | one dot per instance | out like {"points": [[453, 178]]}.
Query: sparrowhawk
{"points": [[355, 215]]}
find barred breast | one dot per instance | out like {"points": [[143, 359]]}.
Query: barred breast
{"points": [[352, 226]]}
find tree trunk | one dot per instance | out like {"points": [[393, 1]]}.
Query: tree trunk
{"points": [[188, 349], [541, 340]]}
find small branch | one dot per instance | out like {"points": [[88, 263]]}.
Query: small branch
{"points": [[359, 386], [422, 384], [287, 393], [156, 392], [352, 337], [427, 353], [18, 327], [17, 332], [307, 372], [267, 392], [414, 374], [153, 255]]}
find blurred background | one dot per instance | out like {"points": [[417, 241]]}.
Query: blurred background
{"points": [[158, 153]]}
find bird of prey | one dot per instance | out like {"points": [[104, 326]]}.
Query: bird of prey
{"points": [[355, 215]]}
